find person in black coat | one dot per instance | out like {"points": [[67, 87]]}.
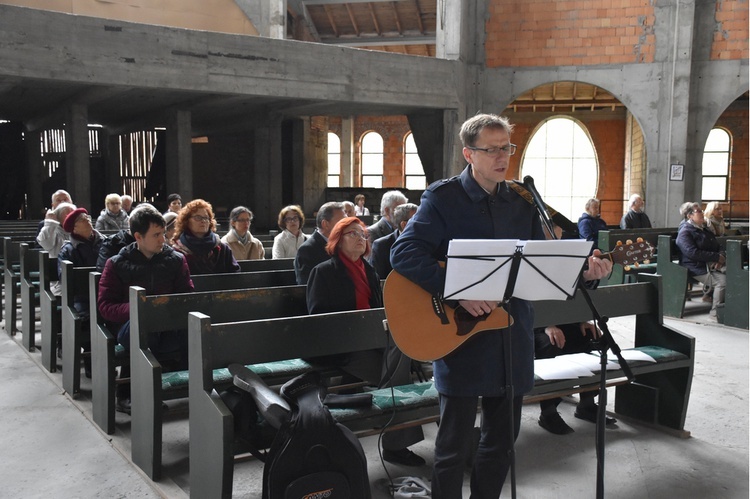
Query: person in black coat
{"points": [[381, 248], [313, 251], [701, 253], [347, 282]]}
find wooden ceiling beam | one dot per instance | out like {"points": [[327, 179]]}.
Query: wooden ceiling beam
{"points": [[374, 18], [330, 20], [352, 19], [395, 17]]}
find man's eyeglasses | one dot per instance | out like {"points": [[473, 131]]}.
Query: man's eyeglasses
{"points": [[496, 152], [200, 219], [355, 234], [291, 219]]}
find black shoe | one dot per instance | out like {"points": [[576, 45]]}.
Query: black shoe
{"points": [[123, 405], [403, 456], [590, 416], [554, 423]]}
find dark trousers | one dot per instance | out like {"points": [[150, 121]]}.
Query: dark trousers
{"points": [[453, 443], [575, 342]]}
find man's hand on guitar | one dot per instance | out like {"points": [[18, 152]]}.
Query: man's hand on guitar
{"points": [[478, 307], [598, 267]]}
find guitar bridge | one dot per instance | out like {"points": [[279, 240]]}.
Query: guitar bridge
{"points": [[439, 310]]}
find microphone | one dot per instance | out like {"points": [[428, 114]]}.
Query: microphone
{"points": [[528, 183]]}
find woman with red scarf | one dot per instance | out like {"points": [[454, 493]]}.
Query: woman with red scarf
{"points": [[348, 282]]}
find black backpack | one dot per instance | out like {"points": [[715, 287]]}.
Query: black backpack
{"points": [[311, 456]]}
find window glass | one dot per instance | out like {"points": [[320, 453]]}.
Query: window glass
{"points": [[715, 167], [372, 160], [561, 158], [414, 177], [334, 160]]}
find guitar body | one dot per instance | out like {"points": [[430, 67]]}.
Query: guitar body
{"points": [[426, 329]]}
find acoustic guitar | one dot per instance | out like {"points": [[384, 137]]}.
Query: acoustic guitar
{"points": [[426, 328]]}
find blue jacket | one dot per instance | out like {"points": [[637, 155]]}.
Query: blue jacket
{"points": [[589, 227], [458, 208], [698, 246]]}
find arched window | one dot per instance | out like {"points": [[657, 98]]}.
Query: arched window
{"points": [[561, 159], [334, 160], [414, 177], [372, 160], [715, 171]]}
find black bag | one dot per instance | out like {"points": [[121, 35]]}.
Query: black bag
{"points": [[312, 455]]}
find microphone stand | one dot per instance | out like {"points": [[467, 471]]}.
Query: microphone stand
{"points": [[605, 342]]}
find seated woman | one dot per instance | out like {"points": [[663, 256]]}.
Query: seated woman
{"points": [[359, 208], [714, 215], [348, 282], [112, 217], [82, 250], [590, 222], [701, 254], [291, 237], [239, 239], [195, 238]]}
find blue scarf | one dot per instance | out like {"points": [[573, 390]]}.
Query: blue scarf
{"points": [[199, 245]]}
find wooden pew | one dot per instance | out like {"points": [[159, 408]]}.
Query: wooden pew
{"points": [[239, 280], [266, 264], [29, 291], [735, 310], [609, 238], [659, 395], [50, 309], [12, 281], [150, 386], [676, 277], [75, 282]]}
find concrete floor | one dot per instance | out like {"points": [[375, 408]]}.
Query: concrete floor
{"points": [[51, 448]]}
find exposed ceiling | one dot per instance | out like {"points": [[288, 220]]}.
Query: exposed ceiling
{"points": [[404, 26]]}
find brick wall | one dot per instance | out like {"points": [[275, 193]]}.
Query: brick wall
{"points": [[564, 33], [393, 130], [731, 30], [634, 177], [735, 122]]}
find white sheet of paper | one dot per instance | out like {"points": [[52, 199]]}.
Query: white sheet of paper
{"points": [[631, 355], [559, 368], [486, 278]]}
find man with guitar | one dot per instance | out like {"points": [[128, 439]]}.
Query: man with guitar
{"points": [[477, 204]]}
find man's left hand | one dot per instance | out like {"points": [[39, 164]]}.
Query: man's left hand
{"points": [[598, 267]]}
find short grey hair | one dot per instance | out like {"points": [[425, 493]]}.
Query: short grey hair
{"points": [[390, 198], [687, 209], [472, 127], [590, 202], [402, 213], [61, 208], [633, 199], [326, 212]]}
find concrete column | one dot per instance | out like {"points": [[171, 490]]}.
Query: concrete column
{"points": [[348, 178], [267, 177], [268, 16], [665, 195], [77, 155], [180, 154], [34, 202], [110, 149]]}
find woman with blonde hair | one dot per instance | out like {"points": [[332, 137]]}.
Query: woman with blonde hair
{"points": [[112, 217], [195, 237], [291, 237], [714, 215]]}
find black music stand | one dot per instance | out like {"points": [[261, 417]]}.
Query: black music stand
{"points": [[533, 270]]}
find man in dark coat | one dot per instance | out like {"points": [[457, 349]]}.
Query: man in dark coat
{"points": [[635, 218], [313, 251], [155, 266], [381, 248], [477, 204], [385, 225]]}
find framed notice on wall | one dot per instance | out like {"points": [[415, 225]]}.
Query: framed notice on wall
{"points": [[677, 172]]}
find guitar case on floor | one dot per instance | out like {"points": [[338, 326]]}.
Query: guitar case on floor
{"points": [[311, 456]]}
